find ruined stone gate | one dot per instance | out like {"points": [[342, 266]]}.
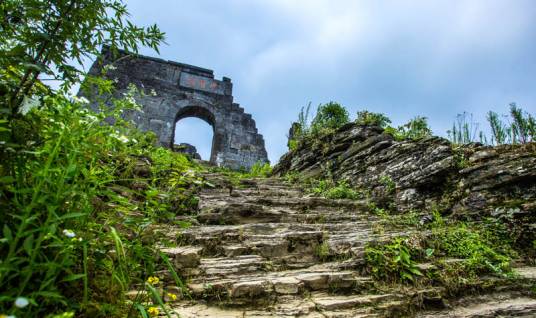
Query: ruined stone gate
{"points": [[174, 91]]}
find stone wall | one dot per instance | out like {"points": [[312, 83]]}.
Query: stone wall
{"points": [[174, 91]]}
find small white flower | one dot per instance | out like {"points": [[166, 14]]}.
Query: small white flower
{"points": [[110, 67], [21, 302], [80, 100], [69, 233], [123, 139], [153, 92]]}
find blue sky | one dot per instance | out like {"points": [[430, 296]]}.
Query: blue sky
{"points": [[403, 58]]}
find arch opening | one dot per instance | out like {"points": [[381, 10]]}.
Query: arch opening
{"points": [[195, 126]]}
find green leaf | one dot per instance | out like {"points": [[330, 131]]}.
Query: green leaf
{"points": [[415, 271], [72, 215], [72, 277], [6, 179], [28, 244], [7, 233], [158, 299], [141, 309]]}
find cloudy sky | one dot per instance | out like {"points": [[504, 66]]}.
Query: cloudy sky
{"points": [[403, 58]]}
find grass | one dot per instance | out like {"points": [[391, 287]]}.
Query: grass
{"points": [[479, 248], [79, 199], [332, 190]]}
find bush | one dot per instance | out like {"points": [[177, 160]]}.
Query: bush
{"points": [[329, 117], [392, 262], [415, 129], [372, 119], [332, 190], [260, 170], [470, 243]]}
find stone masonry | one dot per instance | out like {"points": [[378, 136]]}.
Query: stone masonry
{"points": [[173, 91]]}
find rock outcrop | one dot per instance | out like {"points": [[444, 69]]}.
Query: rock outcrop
{"points": [[424, 174]]}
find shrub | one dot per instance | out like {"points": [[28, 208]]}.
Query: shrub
{"points": [[372, 119], [392, 262], [260, 170], [329, 117], [332, 190], [470, 243], [415, 129]]}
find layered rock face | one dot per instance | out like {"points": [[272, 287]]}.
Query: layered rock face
{"points": [[267, 249], [424, 174]]}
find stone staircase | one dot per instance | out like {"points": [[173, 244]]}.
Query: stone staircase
{"points": [[266, 249]]}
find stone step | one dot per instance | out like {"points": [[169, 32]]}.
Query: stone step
{"points": [[273, 239], [300, 202], [337, 302], [243, 288], [492, 305], [285, 306]]}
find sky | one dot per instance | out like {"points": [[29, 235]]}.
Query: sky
{"points": [[402, 58]]}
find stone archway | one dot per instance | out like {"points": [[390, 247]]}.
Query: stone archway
{"points": [[175, 91], [205, 115]]}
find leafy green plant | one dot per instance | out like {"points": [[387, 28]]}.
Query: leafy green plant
{"points": [[480, 255], [392, 262], [329, 117], [415, 129], [388, 182], [82, 190], [260, 169], [333, 190], [44, 37], [372, 119]]}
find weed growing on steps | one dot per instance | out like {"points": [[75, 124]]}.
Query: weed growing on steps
{"points": [[79, 201], [392, 262], [458, 251], [235, 177], [332, 190]]}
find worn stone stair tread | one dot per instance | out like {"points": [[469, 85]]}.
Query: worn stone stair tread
{"points": [[522, 306], [336, 302], [528, 272], [288, 282], [286, 306]]}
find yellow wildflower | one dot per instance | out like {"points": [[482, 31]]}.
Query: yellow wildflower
{"points": [[153, 280], [172, 296], [153, 311]]}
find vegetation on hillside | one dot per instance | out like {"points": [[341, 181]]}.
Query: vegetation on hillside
{"points": [[519, 127], [78, 197], [331, 116], [455, 253]]}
